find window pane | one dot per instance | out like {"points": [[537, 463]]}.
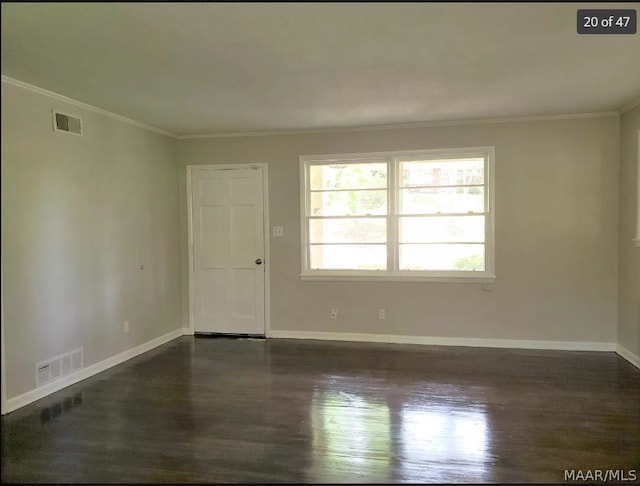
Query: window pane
{"points": [[348, 203], [352, 230], [371, 175], [442, 172], [442, 199], [348, 257], [441, 228], [442, 257]]}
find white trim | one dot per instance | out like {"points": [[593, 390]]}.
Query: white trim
{"points": [[38, 393], [393, 221], [355, 157], [445, 341], [632, 358], [629, 106], [267, 235], [400, 126], [187, 331], [80, 104], [304, 209], [302, 131], [3, 399], [392, 159], [267, 250], [192, 318], [398, 278]]}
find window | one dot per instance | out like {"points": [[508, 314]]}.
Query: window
{"points": [[415, 215]]}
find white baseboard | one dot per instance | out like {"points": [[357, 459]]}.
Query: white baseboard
{"points": [[634, 359], [187, 331], [38, 393], [446, 341]]}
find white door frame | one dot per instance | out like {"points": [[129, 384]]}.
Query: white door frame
{"points": [[267, 259], [3, 404]]}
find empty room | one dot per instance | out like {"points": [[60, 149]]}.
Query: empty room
{"points": [[320, 242]]}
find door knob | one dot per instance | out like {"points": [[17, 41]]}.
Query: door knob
{"points": [[259, 261]]}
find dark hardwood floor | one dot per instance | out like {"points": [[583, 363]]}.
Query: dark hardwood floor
{"points": [[223, 410]]}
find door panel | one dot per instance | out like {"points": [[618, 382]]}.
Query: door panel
{"points": [[228, 238], [211, 238], [212, 191], [242, 305], [242, 230], [212, 293]]}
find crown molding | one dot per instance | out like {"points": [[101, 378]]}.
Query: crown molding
{"points": [[80, 104], [629, 106], [302, 131], [400, 126]]}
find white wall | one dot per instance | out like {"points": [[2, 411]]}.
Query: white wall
{"points": [[629, 254], [80, 215], [556, 234]]}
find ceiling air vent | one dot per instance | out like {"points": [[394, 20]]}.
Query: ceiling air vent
{"points": [[66, 123]]}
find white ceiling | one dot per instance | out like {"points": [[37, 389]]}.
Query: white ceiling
{"points": [[198, 68]]}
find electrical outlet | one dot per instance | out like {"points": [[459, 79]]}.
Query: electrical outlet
{"points": [[278, 232], [488, 287], [125, 324], [382, 314], [334, 314]]}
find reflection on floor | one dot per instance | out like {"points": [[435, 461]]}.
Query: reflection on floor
{"points": [[353, 435], [274, 411], [449, 438], [349, 434]]}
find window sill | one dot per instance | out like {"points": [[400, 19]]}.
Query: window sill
{"points": [[397, 278]]}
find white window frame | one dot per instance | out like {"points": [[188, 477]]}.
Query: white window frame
{"points": [[458, 276]]}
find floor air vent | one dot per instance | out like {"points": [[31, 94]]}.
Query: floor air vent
{"points": [[55, 368], [66, 123]]}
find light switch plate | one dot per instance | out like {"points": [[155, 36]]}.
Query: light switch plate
{"points": [[277, 231]]}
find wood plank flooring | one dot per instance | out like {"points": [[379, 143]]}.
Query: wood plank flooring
{"points": [[225, 410]]}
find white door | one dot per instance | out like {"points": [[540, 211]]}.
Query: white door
{"points": [[228, 277]]}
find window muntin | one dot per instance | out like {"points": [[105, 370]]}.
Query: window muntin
{"points": [[450, 200], [420, 214], [349, 203]]}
